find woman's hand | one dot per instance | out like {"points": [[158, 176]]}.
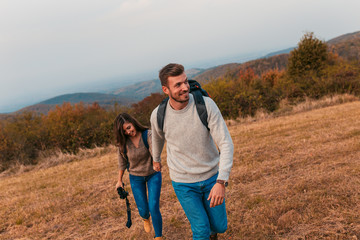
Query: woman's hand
{"points": [[119, 184], [157, 166]]}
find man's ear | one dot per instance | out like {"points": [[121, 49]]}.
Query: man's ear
{"points": [[165, 90]]}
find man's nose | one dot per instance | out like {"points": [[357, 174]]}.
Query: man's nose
{"points": [[185, 87]]}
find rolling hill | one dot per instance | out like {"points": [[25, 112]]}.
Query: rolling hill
{"points": [[104, 100], [259, 66], [347, 46], [84, 97], [139, 91]]}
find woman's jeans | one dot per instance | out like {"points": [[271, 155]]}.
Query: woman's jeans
{"points": [[204, 220], [148, 206]]}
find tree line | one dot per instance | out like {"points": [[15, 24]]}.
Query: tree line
{"points": [[313, 71]]}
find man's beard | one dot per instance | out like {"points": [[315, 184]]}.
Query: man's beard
{"points": [[178, 100]]}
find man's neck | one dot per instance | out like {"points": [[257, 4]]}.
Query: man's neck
{"points": [[177, 105]]}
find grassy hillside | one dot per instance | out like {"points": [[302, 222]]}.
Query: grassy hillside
{"points": [[294, 177]]}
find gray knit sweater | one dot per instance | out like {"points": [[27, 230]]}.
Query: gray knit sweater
{"points": [[192, 155]]}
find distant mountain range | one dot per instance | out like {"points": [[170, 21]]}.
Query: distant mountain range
{"points": [[85, 97], [346, 46], [104, 100], [124, 96], [285, 51]]}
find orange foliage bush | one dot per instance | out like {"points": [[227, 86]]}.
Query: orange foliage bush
{"points": [[79, 126], [21, 138], [68, 128]]}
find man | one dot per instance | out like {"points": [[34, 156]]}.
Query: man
{"points": [[199, 173]]}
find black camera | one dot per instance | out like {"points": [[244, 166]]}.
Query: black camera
{"points": [[122, 193]]}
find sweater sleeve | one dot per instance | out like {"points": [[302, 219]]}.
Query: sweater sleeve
{"points": [[222, 138], [149, 139], [157, 138], [122, 161]]}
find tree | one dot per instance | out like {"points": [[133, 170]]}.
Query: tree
{"points": [[308, 58]]}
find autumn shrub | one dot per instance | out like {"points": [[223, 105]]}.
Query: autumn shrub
{"points": [[6, 149], [67, 128], [344, 77], [222, 91], [245, 94], [21, 138], [79, 126]]}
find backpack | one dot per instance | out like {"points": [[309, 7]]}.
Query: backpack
{"points": [[144, 136], [198, 93]]}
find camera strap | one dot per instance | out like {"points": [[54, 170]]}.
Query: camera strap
{"points": [[124, 195], [128, 210]]}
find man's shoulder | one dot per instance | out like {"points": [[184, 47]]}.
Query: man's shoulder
{"points": [[210, 103], [208, 100], [154, 112]]}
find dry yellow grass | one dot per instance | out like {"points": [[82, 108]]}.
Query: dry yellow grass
{"points": [[294, 177]]}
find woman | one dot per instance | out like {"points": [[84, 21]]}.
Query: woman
{"points": [[134, 154]]}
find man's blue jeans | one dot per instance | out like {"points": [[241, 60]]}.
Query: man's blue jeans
{"points": [[148, 206], [203, 219]]}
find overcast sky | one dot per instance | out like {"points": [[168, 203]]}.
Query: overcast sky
{"points": [[53, 47]]}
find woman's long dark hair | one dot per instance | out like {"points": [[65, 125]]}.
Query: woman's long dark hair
{"points": [[119, 131]]}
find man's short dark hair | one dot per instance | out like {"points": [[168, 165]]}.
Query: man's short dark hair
{"points": [[170, 70]]}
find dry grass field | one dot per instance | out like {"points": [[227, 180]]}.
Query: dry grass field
{"points": [[294, 177]]}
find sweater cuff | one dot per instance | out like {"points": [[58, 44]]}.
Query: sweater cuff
{"points": [[223, 176]]}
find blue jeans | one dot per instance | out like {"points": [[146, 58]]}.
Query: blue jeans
{"points": [[203, 219], [148, 207]]}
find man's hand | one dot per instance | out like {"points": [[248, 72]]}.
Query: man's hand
{"points": [[217, 195], [157, 166]]}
